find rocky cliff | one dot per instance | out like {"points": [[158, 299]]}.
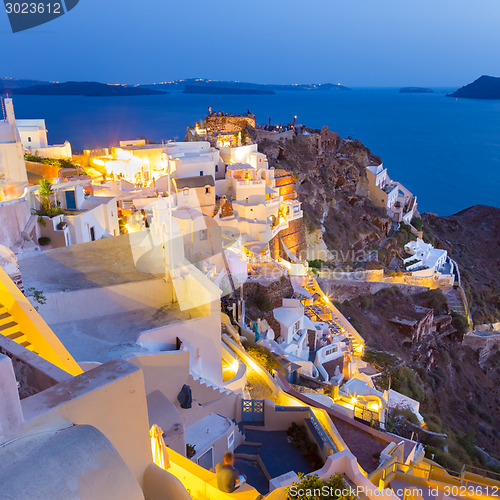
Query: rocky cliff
{"points": [[472, 238], [342, 224]]}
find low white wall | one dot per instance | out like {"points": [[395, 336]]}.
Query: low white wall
{"points": [[60, 151], [14, 216], [200, 336], [96, 302]]}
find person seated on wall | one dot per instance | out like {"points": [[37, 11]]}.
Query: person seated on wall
{"points": [[228, 477]]}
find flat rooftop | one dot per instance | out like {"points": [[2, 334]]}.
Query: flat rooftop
{"points": [[96, 333], [101, 263], [207, 430]]}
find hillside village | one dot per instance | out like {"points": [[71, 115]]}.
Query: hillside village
{"points": [[263, 289]]}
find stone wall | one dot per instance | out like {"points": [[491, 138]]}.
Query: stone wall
{"points": [[43, 170], [444, 281], [285, 184], [350, 289], [293, 237], [479, 342], [229, 124], [270, 135]]}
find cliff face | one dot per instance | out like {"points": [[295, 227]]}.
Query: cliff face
{"points": [[472, 238], [342, 224], [458, 395]]}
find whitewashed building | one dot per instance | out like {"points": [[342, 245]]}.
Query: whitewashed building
{"points": [[399, 202], [33, 134]]}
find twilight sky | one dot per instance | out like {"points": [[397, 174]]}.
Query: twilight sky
{"points": [[355, 42]]}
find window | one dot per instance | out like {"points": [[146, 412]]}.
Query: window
{"points": [[204, 234], [207, 459], [185, 191], [29, 139], [230, 440], [207, 190], [216, 168], [201, 173]]}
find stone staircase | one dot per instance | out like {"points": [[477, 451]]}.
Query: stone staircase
{"points": [[313, 287], [456, 302], [205, 391], [10, 329]]}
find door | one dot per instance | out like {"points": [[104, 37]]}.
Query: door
{"points": [[70, 199], [207, 459], [92, 233], [252, 410]]}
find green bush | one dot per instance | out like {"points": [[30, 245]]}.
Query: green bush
{"points": [[316, 263], [405, 413], [62, 163], [447, 460], [366, 301], [263, 356], [404, 380], [417, 223], [434, 423], [435, 299], [311, 487], [300, 439], [460, 323]]}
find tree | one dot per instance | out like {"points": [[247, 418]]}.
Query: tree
{"points": [[46, 194], [47, 204]]}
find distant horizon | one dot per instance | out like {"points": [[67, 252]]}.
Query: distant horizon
{"points": [[244, 81]]}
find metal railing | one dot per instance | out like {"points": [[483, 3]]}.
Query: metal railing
{"points": [[450, 479]]}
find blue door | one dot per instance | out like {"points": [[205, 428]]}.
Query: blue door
{"points": [[252, 410], [70, 199]]}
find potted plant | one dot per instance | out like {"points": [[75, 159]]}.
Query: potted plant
{"points": [[190, 450]]}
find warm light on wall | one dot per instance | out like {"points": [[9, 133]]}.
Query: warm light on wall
{"points": [[234, 365]]}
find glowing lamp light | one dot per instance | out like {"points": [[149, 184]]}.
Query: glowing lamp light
{"points": [[354, 401]]}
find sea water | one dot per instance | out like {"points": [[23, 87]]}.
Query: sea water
{"points": [[446, 151]]}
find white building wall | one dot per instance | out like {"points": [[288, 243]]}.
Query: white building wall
{"points": [[33, 133], [103, 218], [12, 166], [193, 167], [237, 155]]}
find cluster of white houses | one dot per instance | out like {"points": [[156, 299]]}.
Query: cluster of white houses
{"points": [[400, 203], [126, 381]]}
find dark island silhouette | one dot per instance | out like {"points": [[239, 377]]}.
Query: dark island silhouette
{"points": [[37, 87], [88, 89], [181, 85], [415, 90], [485, 87]]}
